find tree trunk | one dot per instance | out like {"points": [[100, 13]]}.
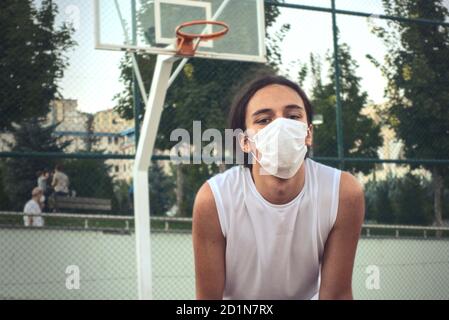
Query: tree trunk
{"points": [[438, 198], [179, 189]]}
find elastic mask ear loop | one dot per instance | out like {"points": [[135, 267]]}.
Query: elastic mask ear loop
{"points": [[250, 149]]}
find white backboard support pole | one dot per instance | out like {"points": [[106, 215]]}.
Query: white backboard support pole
{"points": [[153, 111]]}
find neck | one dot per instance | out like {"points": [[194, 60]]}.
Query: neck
{"points": [[276, 190]]}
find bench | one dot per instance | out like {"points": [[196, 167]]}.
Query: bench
{"points": [[78, 203]]}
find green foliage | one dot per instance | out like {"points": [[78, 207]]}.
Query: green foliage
{"points": [[162, 186], [361, 134], [413, 201], [125, 99], [162, 191], [404, 200], [194, 177], [31, 59], [417, 69], [379, 201], [121, 192], [5, 204], [20, 173], [90, 178]]}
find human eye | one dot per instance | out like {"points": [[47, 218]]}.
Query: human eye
{"points": [[263, 121], [295, 116]]}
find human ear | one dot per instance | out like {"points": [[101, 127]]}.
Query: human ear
{"points": [[309, 137], [244, 142]]}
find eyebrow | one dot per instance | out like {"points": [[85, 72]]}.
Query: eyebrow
{"points": [[261, 111], [269, 110], [294, 107]]}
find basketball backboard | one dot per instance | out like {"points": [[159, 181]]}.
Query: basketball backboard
{"points": [[149, 26]]}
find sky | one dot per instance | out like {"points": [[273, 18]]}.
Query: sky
{"points": [[93, 75]]}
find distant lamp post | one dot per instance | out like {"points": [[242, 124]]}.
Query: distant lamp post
{"points": [[317, 120]]}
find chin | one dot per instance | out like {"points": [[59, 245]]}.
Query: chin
{"points": [[281, 180], [283, 173]]}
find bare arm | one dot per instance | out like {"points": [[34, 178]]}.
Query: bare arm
{"points": [[341, 245], [209, 247]]}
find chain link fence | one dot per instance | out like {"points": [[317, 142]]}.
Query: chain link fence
{"points": [[92, 257], [381, 112]]}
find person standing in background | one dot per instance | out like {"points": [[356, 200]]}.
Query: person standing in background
{"points": [[34, 207], [42, 182]]}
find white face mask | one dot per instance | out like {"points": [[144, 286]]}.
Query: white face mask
{"points": [[42, 199], [281, 145]]}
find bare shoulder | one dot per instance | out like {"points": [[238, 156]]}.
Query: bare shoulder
{"points": [[351, 207], [350, 187], [204, 201], [205, 214]]}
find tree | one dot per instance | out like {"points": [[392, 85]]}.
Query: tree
{"points": [[399, 200], [194, 176], [162, 197], [90, 178], [4, 198], [121, 192], [20, 173], [379, 195], [411, 201], [32, 59], [417, 70], [361, 134]]}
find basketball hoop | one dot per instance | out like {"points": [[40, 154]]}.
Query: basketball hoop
{"points": [[185, 41]]}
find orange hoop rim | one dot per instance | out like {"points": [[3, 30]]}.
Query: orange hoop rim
{"points": [[210, 36]]}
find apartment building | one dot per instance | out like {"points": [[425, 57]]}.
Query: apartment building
{"points": [[103, 131]]}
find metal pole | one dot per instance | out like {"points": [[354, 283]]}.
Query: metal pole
{"points": [[136, 96], [339, 121], [358, 14], [153, 111]]}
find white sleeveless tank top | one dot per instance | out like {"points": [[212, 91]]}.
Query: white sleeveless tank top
{"points": [[275, 251]]}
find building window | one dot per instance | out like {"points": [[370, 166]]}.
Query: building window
{"points": [[109, 140], [116, 140], [117, 169]]}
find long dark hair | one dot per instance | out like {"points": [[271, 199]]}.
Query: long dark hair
{"points": [[237, 115]]}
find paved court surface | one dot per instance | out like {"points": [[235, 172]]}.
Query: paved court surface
{"points": [[33, 264]]}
